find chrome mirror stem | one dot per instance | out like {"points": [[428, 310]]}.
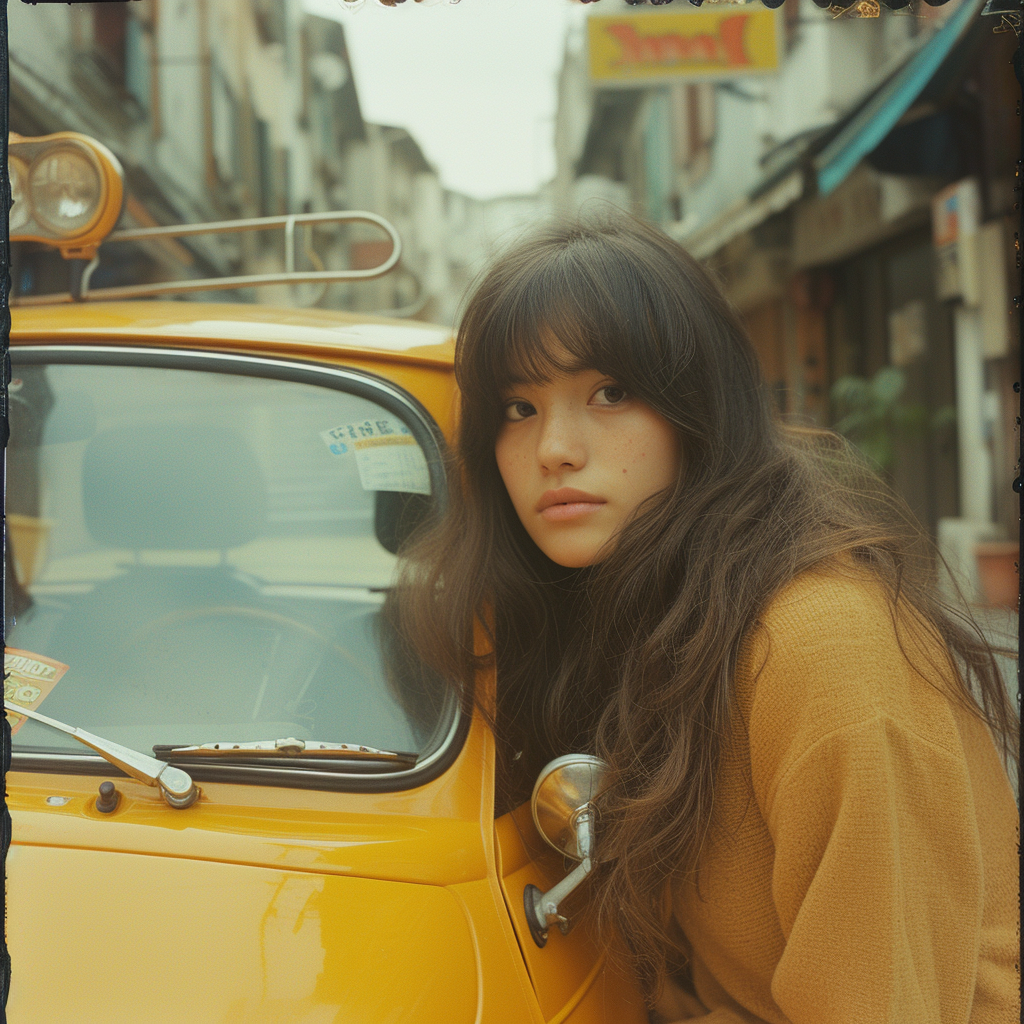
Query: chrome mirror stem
{"points": [[542, 907]]}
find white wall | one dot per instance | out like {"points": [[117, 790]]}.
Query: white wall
{"points": [[830, 66]]}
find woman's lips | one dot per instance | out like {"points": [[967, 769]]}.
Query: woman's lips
{"points": [[567, 503], [569, 510]]}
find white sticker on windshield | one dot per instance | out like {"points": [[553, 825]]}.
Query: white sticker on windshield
{"points": [[387, 455]]}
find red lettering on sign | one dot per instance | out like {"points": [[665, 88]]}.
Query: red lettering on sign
{"points": [[725, 48], [633, 50], [731, 31]]}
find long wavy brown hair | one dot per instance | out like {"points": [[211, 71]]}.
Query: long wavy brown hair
{"points": [[633, 658]]}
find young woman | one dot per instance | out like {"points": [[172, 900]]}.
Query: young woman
{"points": [[809, 818]]}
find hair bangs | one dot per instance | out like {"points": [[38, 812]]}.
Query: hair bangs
{"points": [[568, 311]]}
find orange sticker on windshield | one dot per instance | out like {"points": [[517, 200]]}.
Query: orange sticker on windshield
{"points": [[28, 678]]}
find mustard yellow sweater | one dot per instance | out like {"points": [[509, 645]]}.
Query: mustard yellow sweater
{"points": [[862, 865]]}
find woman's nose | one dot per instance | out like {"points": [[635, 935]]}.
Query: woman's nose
{"points": [[561, 443]]}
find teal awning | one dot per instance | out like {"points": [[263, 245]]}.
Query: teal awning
{"points": [[879, 115]]}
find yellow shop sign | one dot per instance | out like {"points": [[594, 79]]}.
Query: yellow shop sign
{"points": [[638, 48]]}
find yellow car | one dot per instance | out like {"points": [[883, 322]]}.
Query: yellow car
{"points": [[227, 804]]}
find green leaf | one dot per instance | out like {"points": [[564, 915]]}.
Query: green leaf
{"points": [[887, 385], [850, 392], [853, 424]]}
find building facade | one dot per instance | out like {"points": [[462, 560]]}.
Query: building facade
{"points": [[225, 109], [822, 195]]}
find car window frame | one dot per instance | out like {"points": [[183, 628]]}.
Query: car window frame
{"points": [[349, 776]]}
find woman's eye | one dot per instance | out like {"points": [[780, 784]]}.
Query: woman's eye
{"points": [[611, 394], [518, 410]]}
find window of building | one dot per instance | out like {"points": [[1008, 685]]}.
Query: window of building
{"points": [[114, 59], [226, 149], [694, 122]]}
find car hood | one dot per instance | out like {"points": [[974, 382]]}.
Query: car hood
{"points": [[116, 937]]}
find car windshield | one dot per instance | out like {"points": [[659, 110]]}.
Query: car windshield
{"points": [[203, 557]]}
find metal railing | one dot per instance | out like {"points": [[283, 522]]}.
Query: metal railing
{"points": [[290, 275]]}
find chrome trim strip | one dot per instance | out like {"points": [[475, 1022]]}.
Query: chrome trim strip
{"points": [[281, 776], [301, 371]]}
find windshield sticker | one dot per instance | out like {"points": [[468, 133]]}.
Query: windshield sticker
{"points": [[387, 455], [28, 678]]}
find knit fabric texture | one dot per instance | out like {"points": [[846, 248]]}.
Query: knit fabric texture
{"points": [[861, 866]]}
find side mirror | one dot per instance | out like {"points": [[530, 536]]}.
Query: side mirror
{"points": [[565, 816]]}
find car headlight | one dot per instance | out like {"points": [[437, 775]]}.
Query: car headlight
{"points": [[66, 189]]}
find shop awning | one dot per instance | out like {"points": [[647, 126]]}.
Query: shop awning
{"points": [[870, 125], [744, 216]]}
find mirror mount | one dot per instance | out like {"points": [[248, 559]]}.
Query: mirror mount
{"points": [[565, 816], [542, 907]]}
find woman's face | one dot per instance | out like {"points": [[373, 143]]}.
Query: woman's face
{"points": [[578, 454]]}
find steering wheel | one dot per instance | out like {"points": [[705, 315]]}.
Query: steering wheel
{"points": [[142, 634], [281, 624]]}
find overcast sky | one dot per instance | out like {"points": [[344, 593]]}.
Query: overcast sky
{"points": [[473, 82]]}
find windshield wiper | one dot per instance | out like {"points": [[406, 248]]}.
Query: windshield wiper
{"points": [[289, 747], [177, 786]]}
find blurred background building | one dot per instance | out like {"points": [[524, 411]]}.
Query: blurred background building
{"points": [[855, 201], [221, 109]]}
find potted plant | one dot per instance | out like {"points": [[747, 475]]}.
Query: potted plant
{"points": [[997, 570], [874, 417]]}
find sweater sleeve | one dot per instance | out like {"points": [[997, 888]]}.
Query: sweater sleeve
{"points": [[877, 880], [877, 883], [861, 869], [861, 778]]}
